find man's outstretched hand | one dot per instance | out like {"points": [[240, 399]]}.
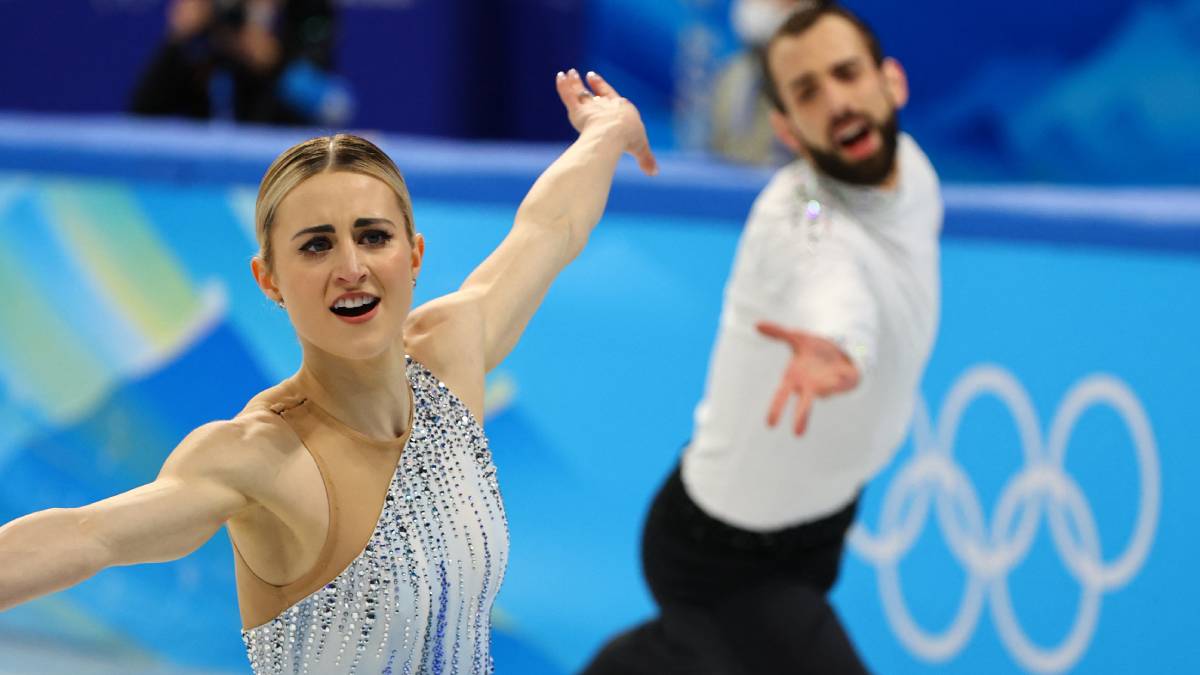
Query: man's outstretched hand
{"points": [[818, 368]]}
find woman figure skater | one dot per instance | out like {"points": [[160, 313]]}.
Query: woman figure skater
{"points": [[360, 496]]}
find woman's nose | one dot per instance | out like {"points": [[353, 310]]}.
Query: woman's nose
{"points": [[350, 268]]}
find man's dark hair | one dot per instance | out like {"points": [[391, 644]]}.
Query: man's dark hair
{"points": [[799, 23]]}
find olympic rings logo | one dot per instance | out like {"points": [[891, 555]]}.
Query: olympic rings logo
{"points": [[989, 551]]}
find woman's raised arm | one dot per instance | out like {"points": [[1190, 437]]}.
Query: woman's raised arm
{"points": [[164, 520], [556, 218]]}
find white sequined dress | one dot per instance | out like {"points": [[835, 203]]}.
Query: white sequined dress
{"points": [[418, 599]]}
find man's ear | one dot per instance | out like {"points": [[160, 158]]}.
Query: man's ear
{"points": [[786, 133], [264, 279], [896, 81]]}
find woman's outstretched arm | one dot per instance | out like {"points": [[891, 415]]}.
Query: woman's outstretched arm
{"points": [[556, 218], [164, 520]]}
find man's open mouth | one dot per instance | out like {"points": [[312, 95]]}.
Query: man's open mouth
{"points": [[355, 306], [853, 134]]}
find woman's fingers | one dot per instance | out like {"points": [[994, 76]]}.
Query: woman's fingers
{"points": [[571, 89], [642, 152], [646, 160], [601, 86], [561, 86], [576, 91]]}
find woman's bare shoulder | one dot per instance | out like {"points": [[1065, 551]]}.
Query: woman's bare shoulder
{"points": [[450, 315], [237, 452], [446, 335]]}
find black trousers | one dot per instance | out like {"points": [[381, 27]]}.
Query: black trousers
{"points": [[732, 601]]}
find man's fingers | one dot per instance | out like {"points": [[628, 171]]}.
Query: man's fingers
{"points": [[803, 406], [601, 86], [847, 378], [830, 379], [777, 403], [843, 378], [773, 330]]}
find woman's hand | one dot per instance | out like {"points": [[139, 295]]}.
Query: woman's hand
{"points": [[551, 228], [602, 108]]}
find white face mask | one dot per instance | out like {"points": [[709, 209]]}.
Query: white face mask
{"points": [[755, 21]]}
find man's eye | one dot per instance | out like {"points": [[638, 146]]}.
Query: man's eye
{"points": [[375, 238], [315, 245], [847, 74]]}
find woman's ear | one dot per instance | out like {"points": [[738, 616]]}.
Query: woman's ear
{"points": [[265, 279], [418, 253], [896, 82]]}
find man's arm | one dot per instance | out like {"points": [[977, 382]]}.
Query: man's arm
{"points": [[164, 520], [832, 331], [556, 218]]}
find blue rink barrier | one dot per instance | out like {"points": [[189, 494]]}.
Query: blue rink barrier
{"points": [[1039, 519]]}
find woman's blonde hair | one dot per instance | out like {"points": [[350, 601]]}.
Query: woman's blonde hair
{"points": [[340, 152]]}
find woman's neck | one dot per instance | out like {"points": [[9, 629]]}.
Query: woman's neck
{"points": [[371, 396]]}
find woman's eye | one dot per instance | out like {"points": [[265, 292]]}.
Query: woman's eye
{"points": [[316, 245], [375, 238]]}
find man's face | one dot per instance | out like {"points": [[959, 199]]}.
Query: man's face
{"points": [[840, 105]]}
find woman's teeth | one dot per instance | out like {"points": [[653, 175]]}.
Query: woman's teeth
{"points": [[354, 306], [351, 303]]}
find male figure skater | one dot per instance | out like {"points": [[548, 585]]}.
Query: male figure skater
{"points": [[836, 286]]}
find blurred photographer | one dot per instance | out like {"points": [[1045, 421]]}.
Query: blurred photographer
{"points": [[266, 61]]}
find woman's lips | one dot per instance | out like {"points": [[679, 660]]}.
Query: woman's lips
{"points": [[362, 318]]}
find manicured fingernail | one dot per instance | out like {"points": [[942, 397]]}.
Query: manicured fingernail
{"points": [[574, 73], [561, 76], [592, 73]]}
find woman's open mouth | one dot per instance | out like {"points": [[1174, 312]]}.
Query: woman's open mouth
{"points": [[355, 308]]}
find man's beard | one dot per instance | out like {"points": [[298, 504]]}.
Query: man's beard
{"points": [[871, 171]]}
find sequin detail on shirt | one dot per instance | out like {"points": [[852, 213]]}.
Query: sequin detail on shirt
{"points": [[418, 599]]}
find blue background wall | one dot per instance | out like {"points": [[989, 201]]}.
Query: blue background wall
{"points": [[1068, 323], [1100, 92]]}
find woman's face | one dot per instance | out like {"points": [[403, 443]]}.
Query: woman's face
{"points": [[343, 264]]}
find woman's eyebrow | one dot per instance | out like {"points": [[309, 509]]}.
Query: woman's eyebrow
{"points": [[360, 222], [312, 230], [367, 222]]}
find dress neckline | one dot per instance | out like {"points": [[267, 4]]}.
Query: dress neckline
{"points": [[356, 435]]}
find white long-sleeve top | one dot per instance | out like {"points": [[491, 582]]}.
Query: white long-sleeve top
{"points": [[857, 266]]}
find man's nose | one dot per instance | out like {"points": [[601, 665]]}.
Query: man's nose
{"points": [[837, 101]]}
